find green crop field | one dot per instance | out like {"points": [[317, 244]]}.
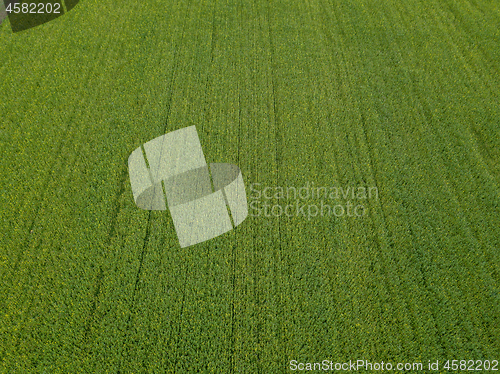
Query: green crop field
{"points": [[400, 97]]}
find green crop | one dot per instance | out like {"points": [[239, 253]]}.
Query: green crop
{"points": [[402, 96]]}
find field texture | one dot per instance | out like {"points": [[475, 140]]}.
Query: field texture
{"points": [[399, 95]]}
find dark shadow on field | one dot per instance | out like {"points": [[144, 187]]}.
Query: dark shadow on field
{"points": [[3, 12], [70, 4], [36, 14]]}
